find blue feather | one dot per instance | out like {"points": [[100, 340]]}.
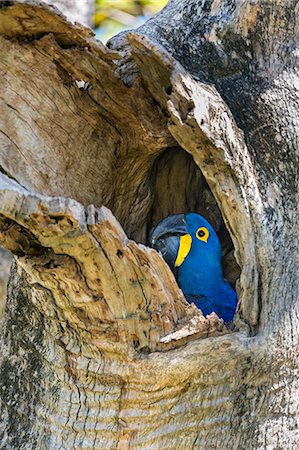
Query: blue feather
{"points": [[200, 274]]}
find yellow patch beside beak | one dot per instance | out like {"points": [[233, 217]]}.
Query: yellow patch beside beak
{"points": [[184, 249]]}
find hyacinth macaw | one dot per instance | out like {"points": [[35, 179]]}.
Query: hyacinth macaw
{"points": [[190, 246]]}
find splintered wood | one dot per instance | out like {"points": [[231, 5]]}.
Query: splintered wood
{"points": [[96, 274]]}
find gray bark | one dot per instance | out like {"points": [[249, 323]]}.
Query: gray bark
{"points": [[195, 110], [5, 262]]}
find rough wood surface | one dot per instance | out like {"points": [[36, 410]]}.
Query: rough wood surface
{"points": [[5, 262], [99, 349], [75, 11], [120, 292]]}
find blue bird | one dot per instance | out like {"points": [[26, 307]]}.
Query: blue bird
{"points": [[190, 246]]}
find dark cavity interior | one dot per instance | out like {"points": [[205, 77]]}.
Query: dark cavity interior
{"points": [[179, 186]]}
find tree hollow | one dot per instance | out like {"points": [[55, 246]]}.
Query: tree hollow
{"points": [[178, 186]]}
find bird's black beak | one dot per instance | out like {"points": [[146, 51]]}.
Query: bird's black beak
{"points": [[171, 226], [166, 238]]}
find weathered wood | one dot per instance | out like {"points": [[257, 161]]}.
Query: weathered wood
{"points": [[5, 262], [75, 11], [104, 283], [99, 349]]}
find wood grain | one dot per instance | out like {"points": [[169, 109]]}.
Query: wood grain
{"points": [[99, 349]]}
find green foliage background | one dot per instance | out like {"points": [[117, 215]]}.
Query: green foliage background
{"points": [[113, 16]]}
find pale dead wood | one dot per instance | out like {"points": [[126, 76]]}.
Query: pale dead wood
{"points": [[84, 257]]}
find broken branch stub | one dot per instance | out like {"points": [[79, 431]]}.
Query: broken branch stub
{"points": [[97, 276]]}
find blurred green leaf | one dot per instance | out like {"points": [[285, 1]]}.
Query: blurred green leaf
{"points": [[113, 16]]}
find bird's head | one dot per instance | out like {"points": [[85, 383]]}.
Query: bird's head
{"points": [[187, 236]]}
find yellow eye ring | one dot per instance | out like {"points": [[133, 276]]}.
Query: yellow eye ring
{"points": [[203, 234]]}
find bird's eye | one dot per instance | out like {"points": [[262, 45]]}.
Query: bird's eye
{"points": [[202, 234]]}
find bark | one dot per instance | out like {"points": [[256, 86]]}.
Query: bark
{"points": [[75, 11], [5, 262], [196, 110]]}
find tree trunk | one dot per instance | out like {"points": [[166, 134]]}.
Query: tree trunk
{"points": [[196, 110], [5, 262], [75, 11]]}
